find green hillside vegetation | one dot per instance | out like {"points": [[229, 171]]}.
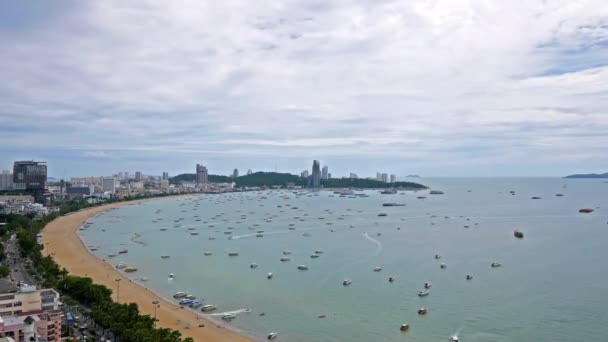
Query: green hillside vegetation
{"points": [[368, 184], [191, 177]]}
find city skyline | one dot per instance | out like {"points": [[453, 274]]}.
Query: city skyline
{"points": [[507, 89]]}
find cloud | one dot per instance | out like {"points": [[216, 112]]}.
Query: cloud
{"points": [[96, 154], [432, 82]]}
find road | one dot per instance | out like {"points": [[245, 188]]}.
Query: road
{"points": [[16, 263]]}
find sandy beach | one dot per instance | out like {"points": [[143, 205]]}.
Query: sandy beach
{"points": [[62, 242]]}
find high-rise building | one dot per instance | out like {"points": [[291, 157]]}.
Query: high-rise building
{"points": [[353, 176], [328, 175], [202, 176], [165, 175], [29, 175], [393, 178], [110, 184], [384, 178], [315, 179], [6, 180], [235, 173], [121, 175], [127, 175], [137, 176], [378, 176], [304, 174], [324, 172], [249, 172]]}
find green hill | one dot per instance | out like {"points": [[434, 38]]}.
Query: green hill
{"points": [[191, 177]]}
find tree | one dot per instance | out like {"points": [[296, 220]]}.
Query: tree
{"points": [[4, 271]]}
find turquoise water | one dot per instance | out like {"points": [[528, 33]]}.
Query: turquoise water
{"points": [[553, 285]]}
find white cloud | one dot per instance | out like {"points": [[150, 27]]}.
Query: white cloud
{"points": [[96, 154]]}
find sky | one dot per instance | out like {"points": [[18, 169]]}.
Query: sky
{"points": [[430, 87]]}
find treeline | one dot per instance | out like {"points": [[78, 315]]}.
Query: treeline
{"points": [[362, 183], [254, 179], [124, 320], [191, 177]]}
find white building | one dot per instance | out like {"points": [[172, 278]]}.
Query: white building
{"points": [[384, 178], [6, 180], [393, 178], [110, 185]]}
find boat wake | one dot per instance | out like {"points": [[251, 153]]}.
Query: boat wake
{"points": [[234, 312], [378, 244], [236, 237]]}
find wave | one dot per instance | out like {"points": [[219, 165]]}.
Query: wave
{"points": [[379, 247]]}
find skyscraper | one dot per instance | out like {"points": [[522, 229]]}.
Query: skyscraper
{"points": [[249, 172], [305, 174], [201, 174], [316, 174], [138, 175], [393, 178], [378, 176], [29, 175], [127, 175], [353, 176], [6, 180], [384, 178], [235, 173], [325, 172], [165, 175], [110, 184]]}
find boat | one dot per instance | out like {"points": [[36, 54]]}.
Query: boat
{"points": [[302, 267], [124, 251], [559, 195], [388, 192], [306, 234], [180, 295], [207, 253], [391, 279], [259, 235], [436, 192], [536, 198], [495, 264], [254, 265], [121, 265], [165, 256], [427, 285], [423, 293], [171, 276], [131, 269], [228, 317], [233, 254], [422, 311], [144, 279], [194, 233], [469, 277], [208, 307], [272, 336], [382, 214], [111, 255], [286, 252], [318, 251], [391, 204], [404, 327], [377, 269], [314, 256], [585, 210], [285, 259], [455, 338], [518, 234], [196, 304], [191, 297], [347, 282], [269, 275], [437, 256], [443, 265]]}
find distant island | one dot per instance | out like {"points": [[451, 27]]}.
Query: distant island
{"points": [[589, 175], [285, 179]]}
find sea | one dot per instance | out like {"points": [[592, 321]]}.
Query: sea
{"points": [[552, 284]]}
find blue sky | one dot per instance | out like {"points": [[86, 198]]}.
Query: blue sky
{"points": [[437, 88]]}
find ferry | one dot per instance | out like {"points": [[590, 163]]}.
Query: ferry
{"points": [[180, 295], [208, 307]]}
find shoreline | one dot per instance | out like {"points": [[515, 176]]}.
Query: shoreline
{"points": [[60, 239]]}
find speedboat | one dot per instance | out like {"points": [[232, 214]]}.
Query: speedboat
{"points": [[303, 267], [228, 317], [495, 264], [269, 275], [165, 257], [437, 256], [190, 297], [423, 293], [272, 336], [347, 282], [313, 256], [254, 265], [518, 234], [144, 279], [121, 265], [196, 304], [180, 295], [207, 253], [185, 301], [382, 214], [171, 276], [377, 269], [233, 254], [455, 338], [469, 277], [285, 259], [208, 307], [443, 265], [427, 285]]}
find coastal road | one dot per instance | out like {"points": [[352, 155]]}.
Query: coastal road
{"points": [[16, 263]]}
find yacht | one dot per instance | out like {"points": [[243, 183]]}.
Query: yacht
{"points": [[495, 264], [208, 307], [347, 282], [272, 336], [303, 267], [180, 295], [377, 269], [423, 293]]}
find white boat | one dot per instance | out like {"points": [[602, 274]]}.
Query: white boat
{"points": [[190, 297], [496, 264], [208, 307], [180, 295], [423, 293], [121, 265], [171, 276], [144, 279], [269, 276], [228, 317], [454, 338], [303, 267], [254, 265], [427, 285], [377, 269], [272, 336], [347, 282]]}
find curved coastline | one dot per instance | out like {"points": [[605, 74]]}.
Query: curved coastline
{"points": [[60, 240]]}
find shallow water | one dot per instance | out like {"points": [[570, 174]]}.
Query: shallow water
{"points": [[553, 285]]}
